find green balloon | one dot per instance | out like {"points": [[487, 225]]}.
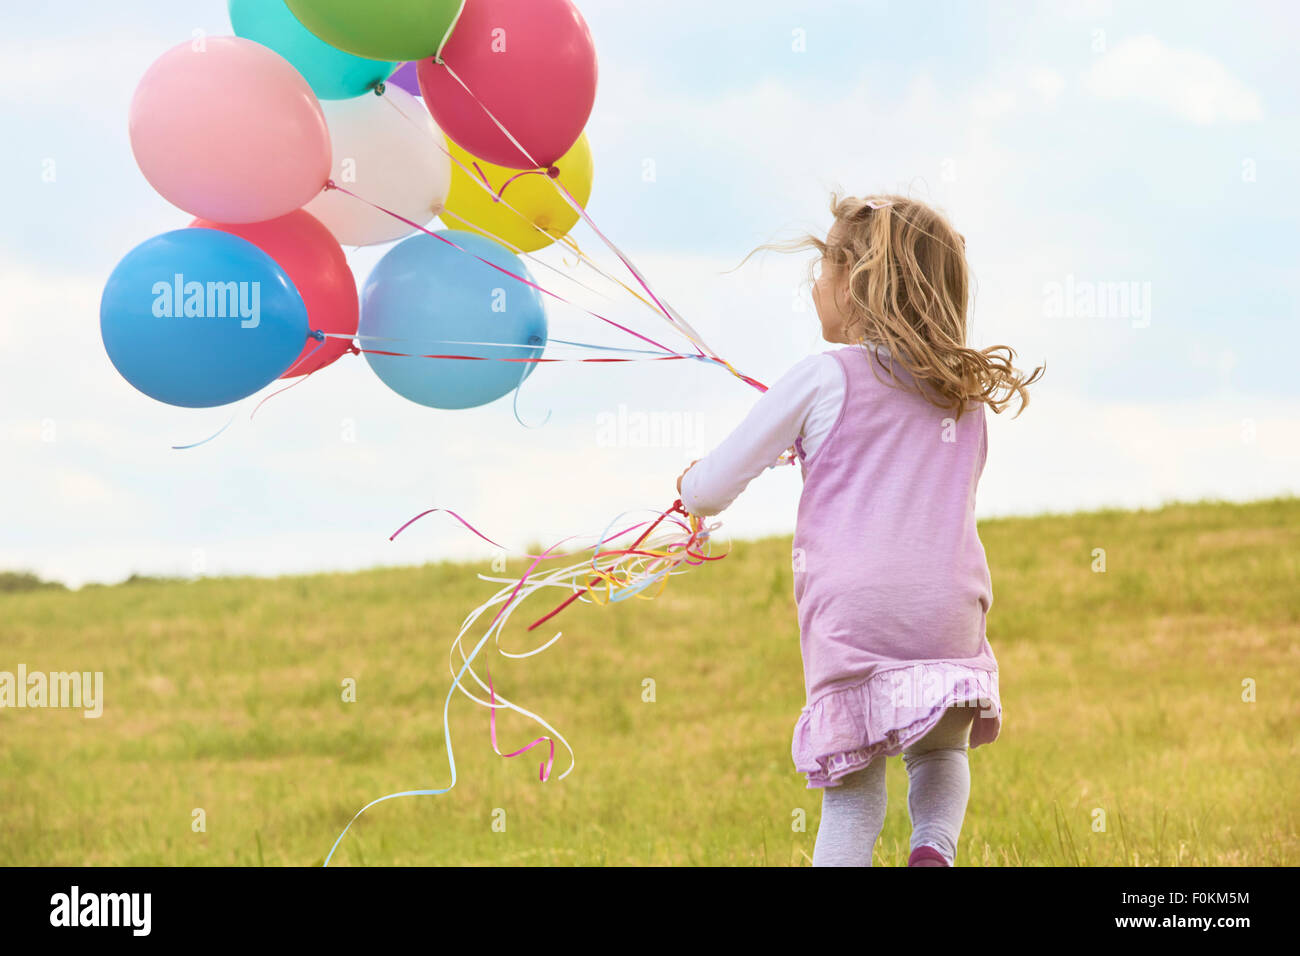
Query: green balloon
{"points": [[380, 29]]}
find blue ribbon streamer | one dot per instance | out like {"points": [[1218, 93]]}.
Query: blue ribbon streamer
{"points": [[451, 757]]}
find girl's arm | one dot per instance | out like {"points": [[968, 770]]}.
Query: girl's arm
{"points": [[777, 419]]}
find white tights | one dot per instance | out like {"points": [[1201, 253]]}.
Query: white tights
{"points": [[938, 786]]}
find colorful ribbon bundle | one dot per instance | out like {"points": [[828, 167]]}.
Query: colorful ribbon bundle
{"points": [[670, 543]]}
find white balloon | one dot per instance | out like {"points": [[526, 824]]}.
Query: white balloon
{"points": [[387, 150]]}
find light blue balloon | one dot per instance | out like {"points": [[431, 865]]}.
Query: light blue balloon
{"points": [[333, 74], [426, 296], [198, 317]]}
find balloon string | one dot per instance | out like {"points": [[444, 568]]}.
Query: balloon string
{"points": [[692, 334], [747, 379], [209, 438], [415, 225], [548, 553], [481, 179], [546, 359], [482, 182], [647, 356], [430, 511], [522, 172], [644, 283], [316, 334], [668, 313], [569, 343], [321, 340], [544, 769], [498, 195], [584, 258], [451, 28], [515, 408], [490, 358], [444, 212], [572, 244], [485, 181], [451, 759]]}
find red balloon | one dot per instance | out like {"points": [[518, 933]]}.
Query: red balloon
{"points": [[532, 63], [314, 261]]}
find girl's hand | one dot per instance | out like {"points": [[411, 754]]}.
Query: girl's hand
{"points": [[683, 475]]}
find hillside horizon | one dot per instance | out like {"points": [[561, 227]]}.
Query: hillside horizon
{"points": [[18, 580]]}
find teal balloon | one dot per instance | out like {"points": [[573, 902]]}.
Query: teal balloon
{"points": [[425, 297], [333, 74], [198, 318]]}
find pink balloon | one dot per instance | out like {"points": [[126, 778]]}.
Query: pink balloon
{"points": [[532, 63], [227, 130]]}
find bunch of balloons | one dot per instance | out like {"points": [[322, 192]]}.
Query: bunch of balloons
{"points": [[328, 123]]}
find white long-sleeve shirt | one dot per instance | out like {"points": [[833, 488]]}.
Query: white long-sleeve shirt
{"points": [[803, 404]]}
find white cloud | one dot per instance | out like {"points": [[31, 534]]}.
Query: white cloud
{"points": [[993, 103], [1137, 455], [78, 488], [1189, 83], [1047, 84], [59, 71]]}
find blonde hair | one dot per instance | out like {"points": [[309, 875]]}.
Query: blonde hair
{"points": [[909, 286]]}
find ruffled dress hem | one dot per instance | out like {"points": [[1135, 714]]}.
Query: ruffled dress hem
{"points": [[847, 727]]}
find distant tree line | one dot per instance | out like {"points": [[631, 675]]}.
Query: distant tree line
{"points": [[11, 581]]}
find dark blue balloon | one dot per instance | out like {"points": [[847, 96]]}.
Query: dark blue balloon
{"points": [[197, 318], [425, 297]]}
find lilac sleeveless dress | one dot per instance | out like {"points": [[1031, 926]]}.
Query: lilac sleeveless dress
{"points": [[890, 577]]}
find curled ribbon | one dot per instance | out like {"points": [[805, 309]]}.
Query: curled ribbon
{"points": [[626, 572]]}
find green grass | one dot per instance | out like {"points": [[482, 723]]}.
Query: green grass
{"points": [[1122, 694]]}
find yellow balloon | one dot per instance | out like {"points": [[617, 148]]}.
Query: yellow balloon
{"points": [[472, 207]]}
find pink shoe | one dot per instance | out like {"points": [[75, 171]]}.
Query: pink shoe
{"points": [[926, 855]]}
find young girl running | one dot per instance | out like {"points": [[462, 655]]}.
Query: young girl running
{"points": [[890, 577]]}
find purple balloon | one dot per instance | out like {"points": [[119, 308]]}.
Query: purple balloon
{"points": [[406, 77]]}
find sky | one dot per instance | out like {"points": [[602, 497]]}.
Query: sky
{"points": [[1088, 151]]}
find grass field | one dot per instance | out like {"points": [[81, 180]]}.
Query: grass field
{"points": [[1122, 691]]}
